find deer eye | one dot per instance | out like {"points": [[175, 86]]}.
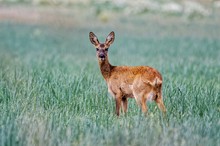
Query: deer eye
{"points": [[106, 49], [97, 49]]}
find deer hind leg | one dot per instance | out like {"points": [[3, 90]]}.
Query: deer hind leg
{"points": [[141, 101], [125, 104], [144, 106], [160, 104]]}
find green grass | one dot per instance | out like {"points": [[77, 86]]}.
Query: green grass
{"points": [[52, 93]]}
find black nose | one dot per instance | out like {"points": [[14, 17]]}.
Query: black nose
{"points": [[101, 56]]}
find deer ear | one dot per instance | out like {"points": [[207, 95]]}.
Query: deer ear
{"points": [[93, 39], [110, 38]]}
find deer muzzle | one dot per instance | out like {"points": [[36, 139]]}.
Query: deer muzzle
{"points": [[102, 56]]}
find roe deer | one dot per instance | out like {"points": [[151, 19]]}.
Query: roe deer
{"points": [[139, 82]]}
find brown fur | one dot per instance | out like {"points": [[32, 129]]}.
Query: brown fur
{"points": [[140, 82]]}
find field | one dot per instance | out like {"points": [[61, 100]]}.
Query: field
{"points": [[52, 92]]}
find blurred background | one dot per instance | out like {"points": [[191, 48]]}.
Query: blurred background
{"points": [[90, 13], [64, 25]]}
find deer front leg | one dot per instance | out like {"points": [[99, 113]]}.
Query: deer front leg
{"points": [[117, 97], [118, 105], [125, 104]]}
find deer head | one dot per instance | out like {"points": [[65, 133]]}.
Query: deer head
{"points": [[102, 48]]}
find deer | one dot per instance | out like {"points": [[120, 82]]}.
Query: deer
{"points": [[140, 82]]}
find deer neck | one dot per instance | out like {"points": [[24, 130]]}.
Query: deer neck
{"points": [[105, 68]]}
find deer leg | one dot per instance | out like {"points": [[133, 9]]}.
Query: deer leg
{"points": [[141, 101], [160, 104], [118, 105], [125, 104], [144, 106]]}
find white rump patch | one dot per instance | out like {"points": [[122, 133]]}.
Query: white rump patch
{"points": [[150, 96], [157, 81], [131, 87]]}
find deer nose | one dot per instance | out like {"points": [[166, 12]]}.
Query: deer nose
{"points": [[101, 55]]}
